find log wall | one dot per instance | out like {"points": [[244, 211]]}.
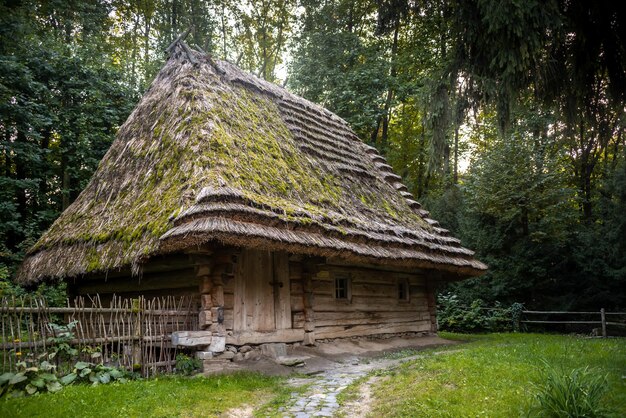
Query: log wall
{"points": [[373, 308]]}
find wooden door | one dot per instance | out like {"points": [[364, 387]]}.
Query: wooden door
{"points": [[262, 300]]}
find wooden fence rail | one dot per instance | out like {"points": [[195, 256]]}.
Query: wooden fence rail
{"points": [[127, 333], [601, 321]]}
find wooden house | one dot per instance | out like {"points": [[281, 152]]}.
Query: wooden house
{"points": [[286, 226]]}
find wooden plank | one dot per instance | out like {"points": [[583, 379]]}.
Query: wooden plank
{"points": [[296, 286], [362, 330], [229, 300], [361, 318], [561, 322], [561, 312], [229, 319], [157, 264], [149, 294], [282, 293], [278, 336], [264, 317], [239, 307], [172, 280], [297, 303], [343, 264], [360, 303], [253, 292]]}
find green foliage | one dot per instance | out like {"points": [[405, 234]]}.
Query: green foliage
{"points": [[187, 365], [30, 379], [173, 396], [61, 350], [42, 376], [36, 375], [339, 67], [62, 100], [529, 87], [570, 394], [454, 316]]}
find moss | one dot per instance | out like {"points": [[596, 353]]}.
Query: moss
{"points": [[209, 134], [93, 260]]}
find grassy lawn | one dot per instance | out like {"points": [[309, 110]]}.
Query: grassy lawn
{"points": [[493, 375], [162, 397]]}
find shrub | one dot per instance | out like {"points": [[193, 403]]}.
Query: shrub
{"points": [[187, 365], [573, 394], [38, 374], [454, 316], [43, 376]]}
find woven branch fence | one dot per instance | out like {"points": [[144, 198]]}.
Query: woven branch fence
{"points": [[134, 334]]}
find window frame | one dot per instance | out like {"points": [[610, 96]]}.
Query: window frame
{"points": [[403, 282], [348, 287]]}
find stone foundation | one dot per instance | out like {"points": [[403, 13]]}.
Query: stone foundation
{"points": [[216, 362]]}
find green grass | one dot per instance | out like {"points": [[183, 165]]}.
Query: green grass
{"points": [[494, 375], [160, 397]]}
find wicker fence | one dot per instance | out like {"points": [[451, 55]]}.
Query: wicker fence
{"points": [[134, 334]]}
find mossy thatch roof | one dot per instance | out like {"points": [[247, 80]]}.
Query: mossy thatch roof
{"points": [[213, 154]]}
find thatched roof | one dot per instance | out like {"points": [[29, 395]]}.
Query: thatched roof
{"points": [[214, 154]]}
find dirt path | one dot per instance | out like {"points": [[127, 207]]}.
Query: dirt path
{"points": [[330, 367], [321, 398]]}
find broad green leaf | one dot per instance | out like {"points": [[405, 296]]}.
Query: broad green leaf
{"points": [[67, 379], [19, 377], [6, 377], [81, 365], [39, 382], [48, 377], [105, 378], [46, 366], [54, 386]]}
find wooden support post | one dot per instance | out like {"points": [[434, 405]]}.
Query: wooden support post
{"points": [[603, 319], [203, 272], [224, 266], [432, 303], [138, 305], [308, 302]]}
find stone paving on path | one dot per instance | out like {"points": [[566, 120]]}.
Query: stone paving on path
{"points": [[320, 400]]}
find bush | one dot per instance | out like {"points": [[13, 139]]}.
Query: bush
{"points": [[38, 374], [43, 376], [454, 316], [187, 365], [573, 394]]}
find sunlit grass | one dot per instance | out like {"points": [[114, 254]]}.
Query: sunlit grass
{"points": [[493, 375], [160, 397]]}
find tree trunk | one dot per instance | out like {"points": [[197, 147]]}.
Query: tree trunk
{"points": [[455, 177], [390, 93], [585, 171], [20, 174], [43, 182], [374, 136]]}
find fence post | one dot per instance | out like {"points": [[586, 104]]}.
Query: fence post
{"points": [[137, 345], [603, 316]]}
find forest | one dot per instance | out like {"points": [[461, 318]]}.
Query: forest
{"points": [[506, 119]]}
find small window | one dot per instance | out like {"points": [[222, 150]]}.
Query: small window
{"points": [[342, 288], [403, 290]]}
